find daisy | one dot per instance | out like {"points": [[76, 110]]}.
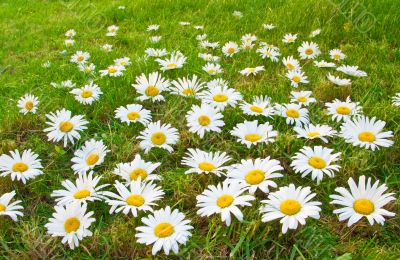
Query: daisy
{"points": [[153, 27], [198, 27], [166, 229], [270, 53], [112, 30], [70, 33], [125, 61], [133, 113], [223, 199], [289, 38], [187, 87], [250, 132], [151, 87], [201, 37], [315, 33], [155, 39], [90, 155], [252, 71], [338, 81], [343, 110], [85, 189], [260, 105], [294, 114], [217, 82], [64, 126], [10, 209], [230, 48], [302, 97], [151, 52], [20, 167], [176, 61], [237, 14], [324, 64], [71, 222], [212, 68], [87, 94], [308, 50], [113, 71], [184, 23], [80, 57], [316, 161], [47, 64], [158, 135], [291, 63], [137, 169], [207, 44], [362, 200], [140, 196], [205, 162], [296, 77], [255, 174], [107, 47], [366, 133], [28, 104], [315, 131], [221, 97], [249, 38], [269, 26], [247, 45], [292, 205], [352, 71], [87, 68], [69, 42], [208, 57], [67, 84], [396, 100], [204, 118], [337, 55]]}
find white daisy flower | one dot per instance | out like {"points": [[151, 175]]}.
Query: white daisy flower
{"points": [[316, 161], [113, 71], [230, 48], [315, 33], [153, 27], [302, 97], [212, 68], [223, 199], [237, 14], [268, 26], [67, 84], [187, 87], [247, 45], [396, 100], [47, 64], [69, 42], [133, 113], [151, 52], [308, 50], [85, 189], [80, 57], [155, 39], [289, 38], [138, 168], [70, 33], [260, 105], [158, 135], [291, 63], [249, 38], [250, 132], [255, 174], [337, 55], [71, 222], [352, 71], [270, 53], [204, 118], [209, 57], [87, 68], [166, 229], [90, 155], [112, 30], [20, 167], [138, 196], [205, 162], [294, 114], [315, 131], [362, 200], [107, 47], [292, 205], [206, 44], [124, 61], [10, 209], [28, 104], [324, 64], [252, 71], [343, 110], [184, 23], [198, 27], [151, 87], [338, 81], [201, 37], [217, 82], [220, 97], [366, 133], [176, 61], [87, 94], [296, 77]]}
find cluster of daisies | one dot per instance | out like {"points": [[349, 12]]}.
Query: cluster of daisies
{"points": [[138, 188]]}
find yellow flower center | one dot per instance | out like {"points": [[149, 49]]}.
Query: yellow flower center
{"points": [[92, 159], [336, 56], [112, 70], [2, 208], [66, 126], [254, 177], [136, 200], [220, 98], [302, 99], [363, 206], [252, 137], [366, 137], [151, 91], [71, 224], [313, 134], [163, 230], [188, 92], [292, 113], [290, 66], [133, 115], [136, 173], [172, 65], [28, 105], [20, 167], [251, 70], [317, 162], [87, 93], [81, 194], [290, 40], [256, 109], [224, 201], [206, 166], [230, 50], [343, 110], [309, 51], [80, 58], [204, 120], [290, 207], [212, 71], [158, 138], [296, 79]]}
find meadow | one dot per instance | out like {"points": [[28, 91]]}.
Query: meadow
{"points": [[33, 34]]}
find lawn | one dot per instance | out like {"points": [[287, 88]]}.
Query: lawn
{"points": [[33, 33]]}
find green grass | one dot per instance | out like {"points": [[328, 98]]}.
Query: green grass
{"points": [[33, 32]]}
